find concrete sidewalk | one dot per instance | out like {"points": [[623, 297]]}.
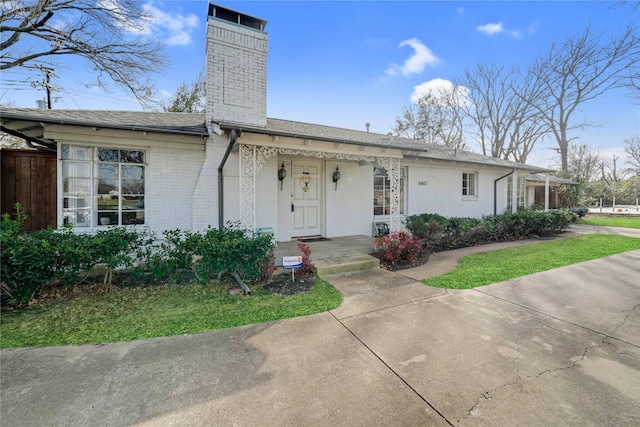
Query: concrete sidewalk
{"points": [[555, 348]]}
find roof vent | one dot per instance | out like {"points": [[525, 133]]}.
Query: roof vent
{"points": [[229, 15]]}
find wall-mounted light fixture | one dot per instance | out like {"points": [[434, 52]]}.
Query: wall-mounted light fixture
{"points": [[336, 177], [282, 174]]}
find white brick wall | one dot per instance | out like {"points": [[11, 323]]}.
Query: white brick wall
{"points": [[204, 193], [236, 74], [171, 176]]}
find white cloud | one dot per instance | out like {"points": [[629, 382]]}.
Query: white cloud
{"points": [[440, 88], [174, 29], [460, 10], [177, 27], [422, 57], [490, 29]]}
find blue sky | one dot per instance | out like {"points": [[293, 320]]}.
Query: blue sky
{"points": [[348, 63]]}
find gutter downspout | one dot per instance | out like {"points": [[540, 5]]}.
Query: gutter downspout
{"points": [[233, 135], [495, 191]]}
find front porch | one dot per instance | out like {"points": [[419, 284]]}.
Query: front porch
{"points": [[338, 247], [315, 189]]}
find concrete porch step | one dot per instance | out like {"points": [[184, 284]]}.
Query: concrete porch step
{"points": [[346, 264]]}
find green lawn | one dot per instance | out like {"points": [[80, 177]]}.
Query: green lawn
{"points": [[154, 312], [612, 222], [173, 310], [491, 267]]}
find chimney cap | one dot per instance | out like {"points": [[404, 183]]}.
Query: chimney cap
{"points": [[226, 14]]}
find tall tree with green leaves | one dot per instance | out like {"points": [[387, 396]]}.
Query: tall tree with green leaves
{"points": [[189, 97]]}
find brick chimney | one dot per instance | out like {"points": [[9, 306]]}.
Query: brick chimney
{"points": [[237, 48]]}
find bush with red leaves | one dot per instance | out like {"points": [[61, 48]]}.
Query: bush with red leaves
{"points": [[398, 248]]}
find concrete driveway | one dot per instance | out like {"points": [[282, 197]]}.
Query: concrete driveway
{"points": [[554, 348]]}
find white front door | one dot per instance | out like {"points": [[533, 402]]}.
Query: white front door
{"points": [[307, 193]]}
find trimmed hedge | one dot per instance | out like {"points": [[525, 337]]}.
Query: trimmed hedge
{"points": [[439, 233], [33, 262], [205, 256]]}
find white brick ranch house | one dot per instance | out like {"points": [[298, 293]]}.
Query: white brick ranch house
{"points": [[190, 171]]}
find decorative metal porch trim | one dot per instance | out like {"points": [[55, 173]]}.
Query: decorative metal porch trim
{"points": [[392, 166], [253, 158], [247, 187]]}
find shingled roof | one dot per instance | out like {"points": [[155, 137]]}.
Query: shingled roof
{"points": [[174, 123], [536, 177], [194, 124]]}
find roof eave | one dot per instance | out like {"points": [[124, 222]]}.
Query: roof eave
{"points": [[50, 121], [272, 132]]}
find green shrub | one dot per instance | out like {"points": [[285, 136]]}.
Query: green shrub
{"points": [[581, 211], [13, 223], [229, 249], [527, 223], [439, 233], [170, 259], [184, 255], [428, 227], [463, 232], [32, 261], [115, 248]]}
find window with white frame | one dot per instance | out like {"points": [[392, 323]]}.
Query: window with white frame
{"points": [[469, 184], [102, 186], [382, 191], [520, 192]]}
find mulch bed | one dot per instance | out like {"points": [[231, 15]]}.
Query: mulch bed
{"points": [[283, 285], [424, 258]]}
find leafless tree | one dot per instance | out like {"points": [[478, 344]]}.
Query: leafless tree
{"points": [[505, 125], [612, 176], [632, 148], [581, 69], [107, 33], [10, 141], [584, 163], [434, 118], [633, 4]]}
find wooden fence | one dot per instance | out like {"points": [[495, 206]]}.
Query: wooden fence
{"points": [[29, 177]]}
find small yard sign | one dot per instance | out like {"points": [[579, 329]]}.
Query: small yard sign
{"points": [[292, 262]]}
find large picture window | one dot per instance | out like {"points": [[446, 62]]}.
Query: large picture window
{"points": [[102, 186], [382, 191]]}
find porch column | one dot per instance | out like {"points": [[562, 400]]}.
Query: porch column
{"points": [[393, 172], [247, 187], [546, 191], [514, 191]]}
